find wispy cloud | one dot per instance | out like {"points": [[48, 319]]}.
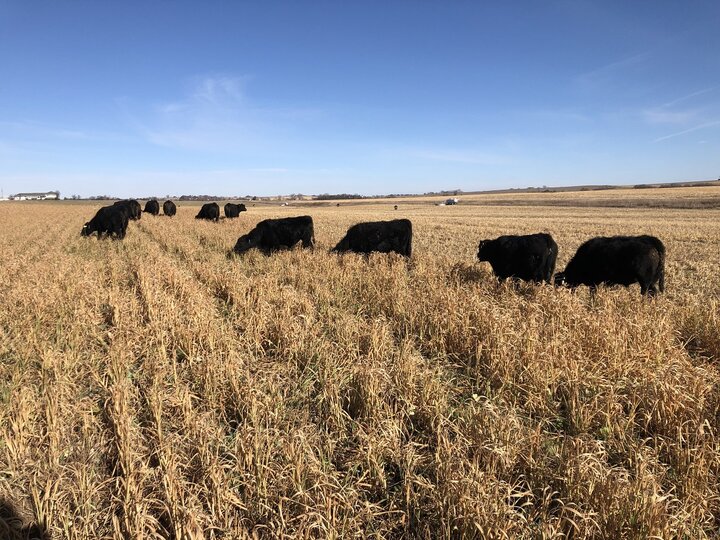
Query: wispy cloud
{"points": [[555, 115], [692, 119], [689, 130], [33, 129], [608, 71], [663, 116], [145, 183], [216, 115], [668, 113], [278, 170], [450, 155], [689, 96], [39, 131]]}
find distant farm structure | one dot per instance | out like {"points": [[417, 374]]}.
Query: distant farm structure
{"points": [[42, 196]]}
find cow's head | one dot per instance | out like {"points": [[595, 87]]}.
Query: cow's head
{"points": [[86, 230], [560, 279], [245, 242], [482, 254]]}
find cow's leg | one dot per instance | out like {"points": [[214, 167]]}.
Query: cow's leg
{"points": [[549, 270]]}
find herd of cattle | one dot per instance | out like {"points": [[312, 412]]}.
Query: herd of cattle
{"points": [[616, 260]]}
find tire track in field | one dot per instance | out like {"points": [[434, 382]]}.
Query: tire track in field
{"points": [[222, 297], [144, 471], [198, 371], [205, 305]]}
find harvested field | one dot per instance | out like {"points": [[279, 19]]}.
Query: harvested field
{"points": [[154, 388]]}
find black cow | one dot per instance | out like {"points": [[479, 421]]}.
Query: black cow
{"points": [[617, 260], [152, 207], [169, 208], [529, 257], [209, 211], [108, 220], [273, 234], [382, 236], [233, 210], [134, 208]]}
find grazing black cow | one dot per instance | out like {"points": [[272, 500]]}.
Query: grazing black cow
{"points": [[233, 210], [125, 209], [382, 236], [108, 220], [395, 207], [209, 211], [617, 260], [134, 208], [169, 208], [273, 234], [529, 257], [152, 207]]}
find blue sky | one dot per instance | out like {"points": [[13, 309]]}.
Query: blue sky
{"points": [[153, 98]]}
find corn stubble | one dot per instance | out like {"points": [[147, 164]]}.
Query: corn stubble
{"points": [[152, 388]]}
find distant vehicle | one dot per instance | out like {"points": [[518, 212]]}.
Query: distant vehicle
{"points": [[451, 201]]}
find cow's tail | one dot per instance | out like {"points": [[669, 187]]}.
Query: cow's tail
{"points": [[408, 247], [661, 269], [660, 272]]}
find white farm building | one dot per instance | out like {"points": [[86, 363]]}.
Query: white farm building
{"points": [[44, 196]]}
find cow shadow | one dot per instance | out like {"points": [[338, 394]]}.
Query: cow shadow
{"points": [[469, 273], [13, 527]]}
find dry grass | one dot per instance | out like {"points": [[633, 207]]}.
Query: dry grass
{"points": [[152, 388]]}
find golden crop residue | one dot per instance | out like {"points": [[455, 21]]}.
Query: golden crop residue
{"points": [[155, 388]]}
